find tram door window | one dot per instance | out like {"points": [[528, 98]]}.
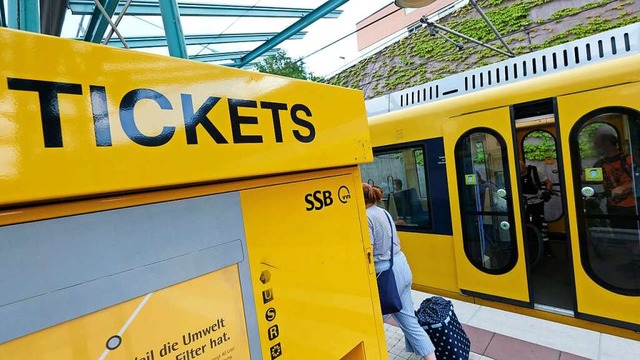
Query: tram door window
{"points": [[539, 150], [401, 175], [485, 201], [605, 157]]}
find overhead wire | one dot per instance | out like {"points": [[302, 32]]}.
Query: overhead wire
{"points": [[206, 46], [238, 18], [147, 21], [346, 36]]}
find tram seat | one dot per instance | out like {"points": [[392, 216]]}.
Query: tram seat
{"points": [[390, 205], [409, 207]]}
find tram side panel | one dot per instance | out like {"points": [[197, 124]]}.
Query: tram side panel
{"points": [[429, 249]]}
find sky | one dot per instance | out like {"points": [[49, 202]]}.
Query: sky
{"points": [[319, 34]]}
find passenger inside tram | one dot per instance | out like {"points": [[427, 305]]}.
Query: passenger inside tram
{"points": [[402, 179], [492, 237], [397, 185], [611, 204], [618, 185], [536, 187], [617, 171]]}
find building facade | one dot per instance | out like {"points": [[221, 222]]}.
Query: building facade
{"points": [[390, 22]]}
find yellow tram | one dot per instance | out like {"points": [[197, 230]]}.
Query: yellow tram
{"points": [[447, 159], [158, 208]]}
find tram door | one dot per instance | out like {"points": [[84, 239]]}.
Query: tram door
{"points": [[490, 260], [601, 145], [542, 194]]}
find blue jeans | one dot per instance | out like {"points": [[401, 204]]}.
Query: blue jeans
{"points": [[416, 339]]}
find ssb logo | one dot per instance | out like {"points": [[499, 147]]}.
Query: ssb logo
{"points": [[318, 200], [321, 199], [344, 195]]}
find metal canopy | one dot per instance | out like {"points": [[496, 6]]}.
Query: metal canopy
{"points": [[118, 23], [160, 41], [233, 55], [316, 14], [150, 8], [24, 15]]}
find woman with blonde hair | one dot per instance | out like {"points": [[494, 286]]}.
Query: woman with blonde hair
{"points": [[382, 231]]}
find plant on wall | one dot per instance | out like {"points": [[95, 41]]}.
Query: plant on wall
{"points": [[420, 57], [539, 145], [586, 139], [480, 157]]}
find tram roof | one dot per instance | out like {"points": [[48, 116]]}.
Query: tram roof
{"points": [[602, 47], [254, 28]]}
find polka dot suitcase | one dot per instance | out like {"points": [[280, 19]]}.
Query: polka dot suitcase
{"points": [[437, 318]]}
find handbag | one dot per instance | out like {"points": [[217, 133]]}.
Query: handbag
{"points": [[387, 289]]}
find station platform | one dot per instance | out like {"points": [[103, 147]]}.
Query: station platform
{"points": [[502, 335]]}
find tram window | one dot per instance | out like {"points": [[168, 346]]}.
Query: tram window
{"points": [[600, 49], [485, 201], [401, 175], [605, 157], [539, 147]]}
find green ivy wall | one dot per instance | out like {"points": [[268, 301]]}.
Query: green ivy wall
{"points": [[526, 26]]}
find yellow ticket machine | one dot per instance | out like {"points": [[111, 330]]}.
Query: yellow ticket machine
{"points": [[157, 208]]}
